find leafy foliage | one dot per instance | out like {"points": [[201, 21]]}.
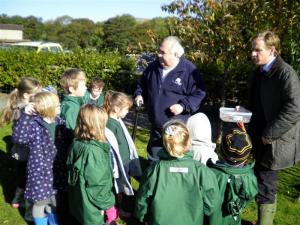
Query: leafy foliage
{"points": [[116, 71], [118, 32], [218, 34]]}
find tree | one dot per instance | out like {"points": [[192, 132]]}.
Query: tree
{"points": [[218, 34], [118, 32], [149, 33], [74, 33]]}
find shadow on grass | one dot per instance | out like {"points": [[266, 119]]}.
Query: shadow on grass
{"points": [[8, 174], [7, 171], [244, 222]]}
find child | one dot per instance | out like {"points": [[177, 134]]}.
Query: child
{"points": [[95, 95], [237, 181], [17, 101], [74, 85], [177, 189], [90, 170], [125, 157], [200, 131], [45, 170]]}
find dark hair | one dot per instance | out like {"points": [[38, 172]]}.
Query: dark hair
{"points": [[97, 83]]}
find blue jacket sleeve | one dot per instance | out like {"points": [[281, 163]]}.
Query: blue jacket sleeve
{"points": [[141, 88], [22, 130], [196, 91]]}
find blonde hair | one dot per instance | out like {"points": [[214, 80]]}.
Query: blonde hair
{"points": [[176, 138], [270, 39], [114, 99], [91, 123], [27, 85], [71, 78], [45, 104]]}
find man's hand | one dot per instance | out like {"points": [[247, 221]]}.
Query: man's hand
{"points": [[176, 109], [266, 141], [139, 100]]}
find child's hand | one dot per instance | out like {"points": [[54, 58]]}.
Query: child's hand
{"points": [[29, 109], [111, 214]]}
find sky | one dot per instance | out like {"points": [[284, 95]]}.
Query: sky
{"points": [[96, 10]]}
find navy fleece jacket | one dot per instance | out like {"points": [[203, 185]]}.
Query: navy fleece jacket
{"points": [[183, 85]]}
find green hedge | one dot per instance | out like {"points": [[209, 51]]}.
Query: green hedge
{"points": [[117, 72]]}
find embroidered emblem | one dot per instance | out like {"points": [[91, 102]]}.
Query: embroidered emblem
{"points": [[178, 81]]}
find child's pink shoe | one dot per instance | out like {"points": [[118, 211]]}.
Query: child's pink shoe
{"points": [[18, 199], [15, 205]]}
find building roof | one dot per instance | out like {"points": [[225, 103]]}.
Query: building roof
{"points": [[11, 27]]}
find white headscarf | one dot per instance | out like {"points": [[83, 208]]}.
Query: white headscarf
{"points": [[200, 132]]}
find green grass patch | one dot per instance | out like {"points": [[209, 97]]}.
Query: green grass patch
{"points": [[288, 187]]}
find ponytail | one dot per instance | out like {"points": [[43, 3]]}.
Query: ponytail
{"points": [[114, 99], [27, 85], [107, 101], [11, 105]]}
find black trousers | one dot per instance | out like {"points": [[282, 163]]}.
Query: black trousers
{"points": [[21, 174], [267, 184], [154, 145]]}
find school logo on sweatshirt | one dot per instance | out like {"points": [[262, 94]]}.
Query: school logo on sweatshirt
{"points": [[178, 81]]}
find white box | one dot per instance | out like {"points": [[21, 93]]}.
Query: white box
{"points": [[237, 114]]}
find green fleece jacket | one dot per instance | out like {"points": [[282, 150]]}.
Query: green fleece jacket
{"points": [[176, 191], [90, 181], [238, 186], [87, 99], [69, 110]]}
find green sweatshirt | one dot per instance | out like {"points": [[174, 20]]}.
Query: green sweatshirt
{"points": [[90, 181], [115, 127], [88, 100], [69, 110], [177, 191]]}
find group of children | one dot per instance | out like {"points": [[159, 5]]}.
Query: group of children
{"points": [[77, 154]]}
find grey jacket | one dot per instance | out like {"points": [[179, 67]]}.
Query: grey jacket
{"points": [[275, 104]]}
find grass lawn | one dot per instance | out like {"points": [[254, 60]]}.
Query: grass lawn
{"points": [[288, 194]]}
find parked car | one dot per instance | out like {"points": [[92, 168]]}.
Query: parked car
{"points": [[39, 46], [142, 60]]}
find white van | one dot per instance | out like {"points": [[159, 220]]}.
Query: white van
{"points": [[40, 46]]}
